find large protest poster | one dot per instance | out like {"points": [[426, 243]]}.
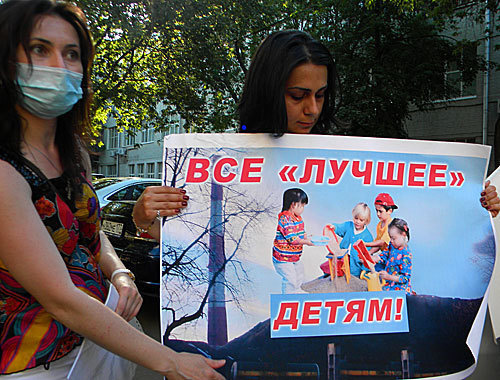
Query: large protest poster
{"points": [[221, 294]]}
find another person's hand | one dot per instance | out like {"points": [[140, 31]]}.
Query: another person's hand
{"points": [[158, 201], [383, 275], [489, 199], [195, 367], [371, 266], [130, 300], [389, 277]]}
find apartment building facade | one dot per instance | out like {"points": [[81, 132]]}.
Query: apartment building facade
{"points": [[134, 155], [474, 115]]}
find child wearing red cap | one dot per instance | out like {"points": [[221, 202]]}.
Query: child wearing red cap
{"points": [[384, 204]]}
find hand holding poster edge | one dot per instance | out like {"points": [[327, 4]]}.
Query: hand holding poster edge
{"points": [[494, 293]]}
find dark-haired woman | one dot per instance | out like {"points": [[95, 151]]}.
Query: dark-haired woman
{"points": [[293, 86], [53, 258]]}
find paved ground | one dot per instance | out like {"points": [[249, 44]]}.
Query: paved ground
{"points": [[488, 367], [149, 316]]}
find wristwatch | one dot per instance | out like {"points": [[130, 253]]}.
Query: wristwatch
{"points": [[121, 270]]}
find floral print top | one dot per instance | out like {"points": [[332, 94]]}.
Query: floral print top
{"points": [[397, 262], [29, 335]]}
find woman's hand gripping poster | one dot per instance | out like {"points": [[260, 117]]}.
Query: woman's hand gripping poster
{"points": [[324, 256]]}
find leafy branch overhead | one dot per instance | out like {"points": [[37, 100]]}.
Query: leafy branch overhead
{"points": [[158, 58]]}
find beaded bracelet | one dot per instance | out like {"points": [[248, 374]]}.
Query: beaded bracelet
{"points": [[140, 230]]}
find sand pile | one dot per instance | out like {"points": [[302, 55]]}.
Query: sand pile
{"points": [[339, 284]]}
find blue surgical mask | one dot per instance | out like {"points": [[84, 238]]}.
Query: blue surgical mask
{"points": [[48, 92]]}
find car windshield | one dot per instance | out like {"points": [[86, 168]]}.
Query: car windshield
{"points": [[99, 184]]}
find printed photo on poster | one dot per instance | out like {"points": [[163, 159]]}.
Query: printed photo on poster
{"points": [[375, 252]]}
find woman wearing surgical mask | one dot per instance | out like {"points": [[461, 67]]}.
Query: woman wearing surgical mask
{"points": [[54, 261]]}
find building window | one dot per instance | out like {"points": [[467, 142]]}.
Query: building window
{"points": [[112, 138], [111, 171], [131, 168], [151, 170], [148, 135], [129, 140], [453, 78], [159, 169], [173, 129], [140, 170]]}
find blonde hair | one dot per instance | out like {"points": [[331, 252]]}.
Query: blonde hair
{"points": [[362, 210]]}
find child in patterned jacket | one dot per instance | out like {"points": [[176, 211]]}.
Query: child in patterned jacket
{"points": [[289, 240], [397, 259]]}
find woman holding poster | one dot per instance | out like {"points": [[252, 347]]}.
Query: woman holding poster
{"points": [[292, 86], [428, 328], [53, 259]]}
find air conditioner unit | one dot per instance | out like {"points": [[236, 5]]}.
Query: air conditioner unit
{"points": [[120, 151]]}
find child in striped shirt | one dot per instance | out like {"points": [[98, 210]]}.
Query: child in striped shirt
{"points": [[290, 237]]}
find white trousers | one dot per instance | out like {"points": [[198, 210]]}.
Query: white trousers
{"points": [[292, 275]]}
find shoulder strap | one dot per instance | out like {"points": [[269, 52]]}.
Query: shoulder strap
{"points": [[30, 172]]}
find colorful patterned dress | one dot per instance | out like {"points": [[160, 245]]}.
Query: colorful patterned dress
{"points": [[29, 335], [397, 262]]}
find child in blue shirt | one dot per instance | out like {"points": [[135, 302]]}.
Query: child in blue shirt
{"points": [[351, 232]]}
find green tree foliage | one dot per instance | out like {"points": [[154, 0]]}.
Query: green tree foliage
{"points": [[126, 59], [156, 58], [206, 51], [389, 59], [159, 58]]}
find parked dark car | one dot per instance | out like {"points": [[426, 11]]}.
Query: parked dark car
{"points": [[140, 254]]}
